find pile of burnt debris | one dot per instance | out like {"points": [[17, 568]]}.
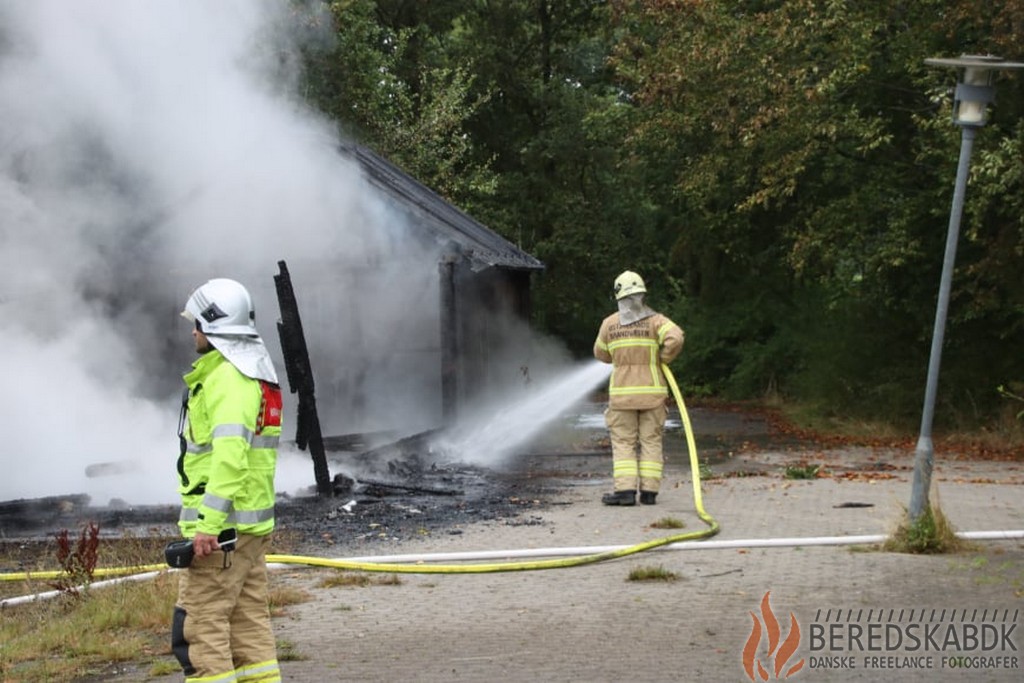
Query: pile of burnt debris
{"points": [[402, 491], [26, 518], [402, 488]]}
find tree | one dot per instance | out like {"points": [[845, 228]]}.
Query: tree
{"points": [[390, 88], [804, 142], [780, 172]]}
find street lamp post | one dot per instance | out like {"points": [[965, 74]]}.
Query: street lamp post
{"points": [[974, 91]]}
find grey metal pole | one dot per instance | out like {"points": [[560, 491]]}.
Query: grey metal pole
{"points": [[924, 457]]}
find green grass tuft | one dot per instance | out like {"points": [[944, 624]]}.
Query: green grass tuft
{"points": [[668, 523], [930, 533], [658, 573]]}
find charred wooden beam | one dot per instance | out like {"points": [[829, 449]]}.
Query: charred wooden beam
{"points": [[383, 488], [345, 485], [300, 379]]}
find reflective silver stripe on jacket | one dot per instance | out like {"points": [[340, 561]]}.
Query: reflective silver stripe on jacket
{"points": [[266, 441], [234, 517], [221, 431], [217, 503], [256, 441]]}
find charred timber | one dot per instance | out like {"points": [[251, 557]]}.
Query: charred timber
{"points": [[300, 379], [344, 485]]}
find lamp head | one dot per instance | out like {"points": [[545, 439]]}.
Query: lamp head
{"points": [[974, 88]]}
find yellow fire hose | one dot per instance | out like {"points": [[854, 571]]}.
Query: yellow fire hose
{"points": [[423, 568]]}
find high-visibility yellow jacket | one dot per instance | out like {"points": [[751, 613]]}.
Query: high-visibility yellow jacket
{"points": [[226, 475], [636, 352]]}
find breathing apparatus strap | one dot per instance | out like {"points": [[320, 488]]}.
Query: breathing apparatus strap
{"points": [[181, 422], [182, 442]]}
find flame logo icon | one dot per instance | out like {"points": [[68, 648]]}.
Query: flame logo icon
{"points": [[785, 649]]}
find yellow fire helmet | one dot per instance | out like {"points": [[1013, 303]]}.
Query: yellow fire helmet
{"points": [[629, 283]]}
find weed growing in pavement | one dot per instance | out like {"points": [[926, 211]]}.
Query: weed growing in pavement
{"points": [[286, 652], [987, 569], [359, 580], [930, 533], [706, 473], [740, 474], [801, 471], [658, 573], [864, 548], [668, 523], [165, 667], [280, 596]]}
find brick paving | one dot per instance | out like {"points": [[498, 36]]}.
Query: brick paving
{"points": [[590, 623]]}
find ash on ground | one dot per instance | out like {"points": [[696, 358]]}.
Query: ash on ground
{"points": [[406, 490], [383, 497]]}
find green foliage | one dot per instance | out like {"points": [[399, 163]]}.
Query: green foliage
{"points": [[803, 471], [1007, 393], [930, 533], [393, 88], [780, 173]]}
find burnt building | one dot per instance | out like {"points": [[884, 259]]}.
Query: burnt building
{"points": [[424, 317]]}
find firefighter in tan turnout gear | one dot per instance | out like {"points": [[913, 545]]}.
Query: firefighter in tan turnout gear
{"points": [[229, 429], [636, 341]]}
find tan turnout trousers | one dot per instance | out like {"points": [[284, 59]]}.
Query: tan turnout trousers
{"points": [[221, 630], [626, 427]]}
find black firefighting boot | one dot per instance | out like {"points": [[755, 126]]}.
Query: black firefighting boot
{"points": [[648, 497], [619, 498]]}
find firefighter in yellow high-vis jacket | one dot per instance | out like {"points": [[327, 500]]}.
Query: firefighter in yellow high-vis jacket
{"points": [[636, 340], [229, 429]]}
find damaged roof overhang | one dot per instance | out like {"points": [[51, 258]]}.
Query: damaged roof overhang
{"points": [[479, 244]]}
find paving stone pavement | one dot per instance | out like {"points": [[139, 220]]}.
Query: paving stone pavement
{"points": [[590, 623]]}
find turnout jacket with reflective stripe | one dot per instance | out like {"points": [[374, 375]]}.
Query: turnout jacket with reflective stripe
{"points": [[226, 475], [636, 352]]}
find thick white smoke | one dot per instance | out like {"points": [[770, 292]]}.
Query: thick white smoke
{"points": [[144, 148]]}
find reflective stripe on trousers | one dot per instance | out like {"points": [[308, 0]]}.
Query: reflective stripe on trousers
{"points": [[222, 628], [627, 428]]}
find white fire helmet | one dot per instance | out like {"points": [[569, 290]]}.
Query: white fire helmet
{"points": [[222, 306], [222, 309], [629, 283]]}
